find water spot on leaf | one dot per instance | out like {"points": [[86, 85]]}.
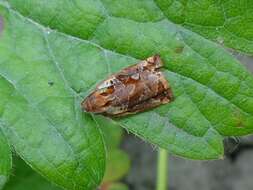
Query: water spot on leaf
{"points": [[47, 30]]}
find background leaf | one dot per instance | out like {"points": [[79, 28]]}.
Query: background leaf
{"points": [[23, 178], [115, 186], [112, 133], [5, 160], [118, 164], [118, 161], [213, 92]]}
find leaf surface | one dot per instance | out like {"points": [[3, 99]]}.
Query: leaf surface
{"points": [[228, 22]]}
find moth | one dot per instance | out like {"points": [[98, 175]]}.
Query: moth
{"points": [[133, 89]]}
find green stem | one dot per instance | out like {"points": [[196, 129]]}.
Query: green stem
{"points": [[162, 170]]}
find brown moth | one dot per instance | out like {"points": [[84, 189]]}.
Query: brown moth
{"points": [[134, 89]]}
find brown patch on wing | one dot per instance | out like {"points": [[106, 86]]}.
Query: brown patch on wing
{"points": [[108, 91], [163, 98]]}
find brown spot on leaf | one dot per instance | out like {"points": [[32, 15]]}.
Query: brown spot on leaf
{"points": [[239, 124], [1, 24], [179, 49]]}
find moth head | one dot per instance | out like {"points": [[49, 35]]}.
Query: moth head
{"points": [[99, 100]]}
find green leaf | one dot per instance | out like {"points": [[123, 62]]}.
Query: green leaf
{"points": [[5, 160], [24, 178], [40, 112], [112, 132], [213, 92], [118, 164], [228, 22], [116, 186]]}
